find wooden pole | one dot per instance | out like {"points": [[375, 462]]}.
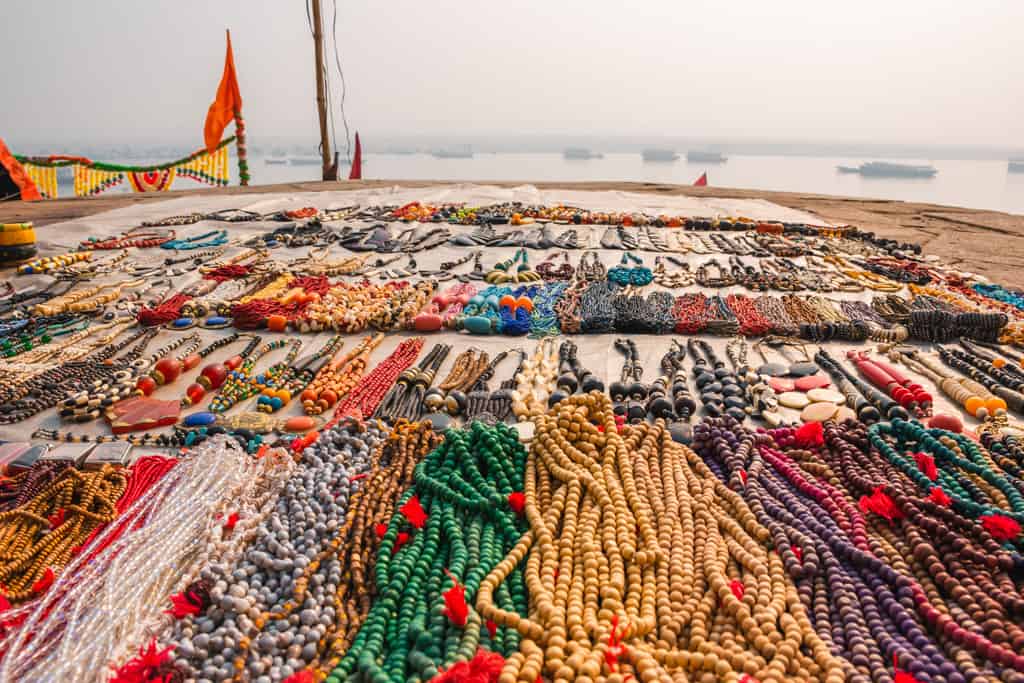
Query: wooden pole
{"points": [[330, 172]]}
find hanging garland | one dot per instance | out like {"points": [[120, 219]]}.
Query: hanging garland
{"points": [[211, 169], [152, 181], [93, 177], [45, 179], [89, 181]]}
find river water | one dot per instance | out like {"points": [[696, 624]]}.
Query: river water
{"points": [[972, 184]]}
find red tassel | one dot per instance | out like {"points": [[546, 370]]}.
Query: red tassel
{"points": [[1001, 527], [485, 667], [149, 666], [798, 552], [402, 539], [900, 675], [737, 588], [880, 504], [380, 529], [492, 628], [304, 676], [456, 608], [810, 434], [42, 584], [57, 518], [926, 464], [517, 501], [939, 497], [743, 476], [413, 512], [185, 604], [232, 521], [5, 604], [747, 678], [364, 475], [615, 650]]}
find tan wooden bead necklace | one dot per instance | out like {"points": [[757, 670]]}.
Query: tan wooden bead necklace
{"points": [[640, 562]]}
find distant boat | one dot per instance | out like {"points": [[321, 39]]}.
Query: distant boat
{"points": [[695, 155], [276, 161], [885, 169], [306, 161], [466, 153], [581, 153], [655, 154], [1015, 166]]}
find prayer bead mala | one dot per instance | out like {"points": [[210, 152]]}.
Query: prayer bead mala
{"points": [[460, 522], [962, 590], [204, 512], [87, 499], [681, 583], [358, 542], [275, 605], [338, 377], [860, 601], [23, 487]]}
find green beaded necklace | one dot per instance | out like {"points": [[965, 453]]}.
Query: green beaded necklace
{"points": [[464, 487]]}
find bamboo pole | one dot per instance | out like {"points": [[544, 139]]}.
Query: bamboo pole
{"points": [[329, 171]]}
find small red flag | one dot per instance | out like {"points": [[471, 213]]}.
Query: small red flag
{"points": [[702, 181], [357, 162]]}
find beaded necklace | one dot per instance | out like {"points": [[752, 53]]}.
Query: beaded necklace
{"points": [[1002, 384], [535, 381], [491, 407], [461, 534], [405, 399], [240, 384], [975, 397], [624, 275], [685, 570], [629, 392], [90, 403], [214, 238], [450, 395], [213, 375], [720, 390], [364, 398], [335, 379], [869, 403], [276, 391], [678, 410]]}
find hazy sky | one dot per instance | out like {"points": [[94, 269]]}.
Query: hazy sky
{"points": [[913, 71]]}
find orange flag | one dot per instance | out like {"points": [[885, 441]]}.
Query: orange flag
{"points": [[357, 162], [702, 181], [227, 102]]}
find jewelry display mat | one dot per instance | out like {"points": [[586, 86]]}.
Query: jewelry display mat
{"points": [[596, 351]]}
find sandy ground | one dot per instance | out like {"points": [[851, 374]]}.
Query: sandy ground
{"points": [[990, 243]]}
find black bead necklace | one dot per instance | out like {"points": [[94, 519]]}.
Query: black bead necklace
{"points": [[629, 392]]}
